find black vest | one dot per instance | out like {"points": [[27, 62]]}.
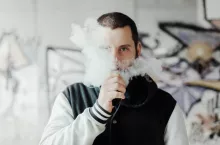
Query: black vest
{"points": [[141, 118]]}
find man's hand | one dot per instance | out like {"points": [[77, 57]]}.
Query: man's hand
{"points": [[113, 87]]}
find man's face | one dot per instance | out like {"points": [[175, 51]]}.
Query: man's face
{"points": [[121, 45]]}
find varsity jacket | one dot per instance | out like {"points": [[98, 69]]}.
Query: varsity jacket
{"points": [[148, 116]]}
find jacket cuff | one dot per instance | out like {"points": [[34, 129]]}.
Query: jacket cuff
{"points": [[99, 113]]}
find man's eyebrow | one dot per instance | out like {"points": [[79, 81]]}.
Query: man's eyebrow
{"points": [[125, 45]]}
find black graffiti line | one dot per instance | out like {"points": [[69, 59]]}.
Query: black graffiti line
{"points": [[165, 25], [205, 14], [65, 56], [192, 105], [53, 49], [147, 35]]}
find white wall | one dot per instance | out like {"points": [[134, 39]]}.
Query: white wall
{"points": [[56, 16]]}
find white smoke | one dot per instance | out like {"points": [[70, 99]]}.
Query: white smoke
{"points": [[100, 63]]}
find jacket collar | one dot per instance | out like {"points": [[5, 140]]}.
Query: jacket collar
{"points": [[139, 91]]}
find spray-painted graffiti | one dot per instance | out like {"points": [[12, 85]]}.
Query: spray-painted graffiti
{"points": [[18, 107], [155, 42], [64, 67], [193, 75], [12, 59]]}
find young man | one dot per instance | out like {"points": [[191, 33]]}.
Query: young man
{"points": [[88, 116]]}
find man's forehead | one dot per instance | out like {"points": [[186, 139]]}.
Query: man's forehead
{"points": [[118, 36]]}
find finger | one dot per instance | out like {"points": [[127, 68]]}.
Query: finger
{"points": [[117, 79], [115, 94], [112, 75], [115, 73], [113, 78], [116, 87]]}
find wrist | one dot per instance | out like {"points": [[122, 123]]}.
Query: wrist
{"points": [[99, 113]]}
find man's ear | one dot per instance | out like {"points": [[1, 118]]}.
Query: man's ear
{"points": [[139, 47]]}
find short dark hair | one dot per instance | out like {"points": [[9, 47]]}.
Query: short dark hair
{"points": [[119, 20]]}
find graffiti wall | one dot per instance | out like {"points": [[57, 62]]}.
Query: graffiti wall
{"points": [[191, 62], [193, 73], [64, 67], [18, 88]]}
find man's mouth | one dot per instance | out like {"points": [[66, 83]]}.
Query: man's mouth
{"points": [[123, 65]]}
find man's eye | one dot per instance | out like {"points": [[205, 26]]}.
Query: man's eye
{"points": [[123, 49]]}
